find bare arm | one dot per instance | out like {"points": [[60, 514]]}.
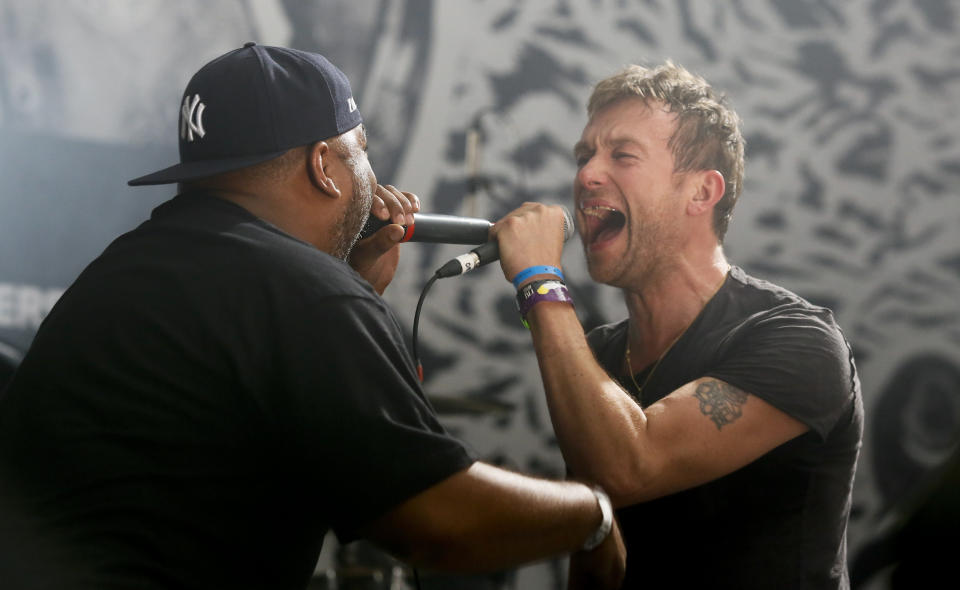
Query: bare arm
{"points": [[485, 518], [702, 431]]}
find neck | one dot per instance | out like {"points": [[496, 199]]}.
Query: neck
{"points": [[662, 308]]}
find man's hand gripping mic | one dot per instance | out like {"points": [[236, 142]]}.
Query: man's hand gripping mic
{"points": [[490, 251]]}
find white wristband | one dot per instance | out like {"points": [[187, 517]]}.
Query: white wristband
{"points": [[606, 524]]}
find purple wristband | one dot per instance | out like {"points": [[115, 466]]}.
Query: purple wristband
{"points": [[538, 291]]}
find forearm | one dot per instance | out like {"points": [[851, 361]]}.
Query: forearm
{"points": [[600, 429], [519, 519], [485, 519]]}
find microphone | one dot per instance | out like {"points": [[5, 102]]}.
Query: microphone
{"points": [[490, 251], [437, 229]]}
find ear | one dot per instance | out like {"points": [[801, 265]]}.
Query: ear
{"points": [[320, 157], [709, 187]]}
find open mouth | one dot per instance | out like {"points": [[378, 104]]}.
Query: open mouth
{"points": [[602, 223]]}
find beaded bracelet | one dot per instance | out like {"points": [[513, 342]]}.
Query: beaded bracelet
{"points": [[539, 291], [536, 270]]}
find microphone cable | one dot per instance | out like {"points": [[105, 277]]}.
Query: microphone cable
{"points": [[416, 324], [479, 256], [416, 359]]}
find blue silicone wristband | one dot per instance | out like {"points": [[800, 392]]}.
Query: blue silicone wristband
{"points": [[536, 270]]}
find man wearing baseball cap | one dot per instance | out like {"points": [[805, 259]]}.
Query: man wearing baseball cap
{"points": [[224, 384]]}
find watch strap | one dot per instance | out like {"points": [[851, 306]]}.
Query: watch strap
{"points": [[606, 524]]}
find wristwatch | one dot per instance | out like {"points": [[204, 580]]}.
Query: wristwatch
{"points": [[606, 524]]}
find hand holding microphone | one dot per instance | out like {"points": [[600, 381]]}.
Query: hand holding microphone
{"points": [[376, 259], [535, 232], [531, 222]]}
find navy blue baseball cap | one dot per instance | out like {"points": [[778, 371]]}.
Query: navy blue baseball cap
{"points": [[253, 104]]}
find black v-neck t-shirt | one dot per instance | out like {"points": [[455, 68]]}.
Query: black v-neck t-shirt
{"points": [[779, 522]]}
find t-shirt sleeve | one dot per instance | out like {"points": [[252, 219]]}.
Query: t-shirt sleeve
{"points": [[795, 359], [606, 342], [355, 413]]}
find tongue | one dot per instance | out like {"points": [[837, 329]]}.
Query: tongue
{"points": [[607, 232], [605, 229], [594, 226]]}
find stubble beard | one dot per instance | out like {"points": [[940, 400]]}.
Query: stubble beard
{"points": [[638, 265], [355, 215]]}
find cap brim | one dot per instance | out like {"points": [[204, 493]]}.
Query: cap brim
{"points": [[201, 169]]}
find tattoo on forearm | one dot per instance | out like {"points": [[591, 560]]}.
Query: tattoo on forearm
{"points": [[720, 402]]}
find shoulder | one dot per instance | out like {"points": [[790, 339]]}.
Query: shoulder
{"points": [[214, 248], [761, 313], [744, 285], [244, 244], [758, 303], [779, 346]]}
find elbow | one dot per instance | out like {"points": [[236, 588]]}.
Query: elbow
{"points": [[628, 484], [623, 491]]}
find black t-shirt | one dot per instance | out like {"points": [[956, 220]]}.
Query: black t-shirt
{"points": [[202, 405], [779, 522]]}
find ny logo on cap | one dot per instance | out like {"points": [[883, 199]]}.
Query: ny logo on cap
{"points": [[351, 104], [191, 118]]}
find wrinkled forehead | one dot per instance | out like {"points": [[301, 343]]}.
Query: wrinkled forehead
{"points": [[628, 120]]}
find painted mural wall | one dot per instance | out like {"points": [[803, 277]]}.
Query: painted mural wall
{"points": [[851, 112]]}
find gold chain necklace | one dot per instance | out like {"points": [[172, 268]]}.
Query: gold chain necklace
{"points": [[646, 379], [626, 356], [649, 373]]}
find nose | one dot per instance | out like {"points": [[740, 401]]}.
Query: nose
{"points": [[591, 173]]}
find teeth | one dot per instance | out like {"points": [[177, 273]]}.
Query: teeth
{"points": [[599, 211]]}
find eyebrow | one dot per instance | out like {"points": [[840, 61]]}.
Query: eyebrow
{"points": [[581, 147], [619, 142]]}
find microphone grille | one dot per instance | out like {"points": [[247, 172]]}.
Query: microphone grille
{"points": [[568, 226]]}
